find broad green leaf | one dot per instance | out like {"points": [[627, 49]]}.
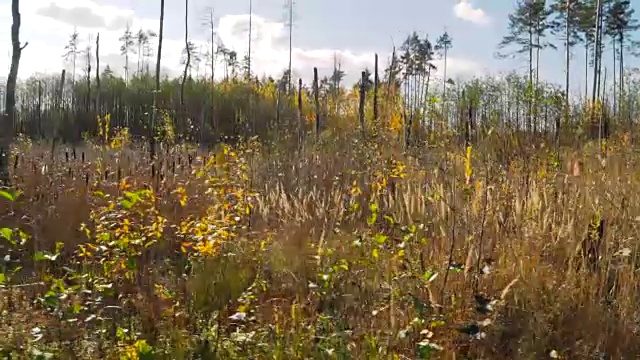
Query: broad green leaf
{"points": [[6, 195], [9, 196], [7, 234]]}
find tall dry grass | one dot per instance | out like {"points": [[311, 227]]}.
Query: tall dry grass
{"points": [[345, 250]]}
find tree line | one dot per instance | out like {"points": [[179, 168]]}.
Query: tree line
{"points": [[403, 99]]}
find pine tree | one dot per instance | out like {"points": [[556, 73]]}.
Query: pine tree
{"points": [[71, 53], [620, 24], [586, 17], [565, 26], [443, 45], [528, 26], [141, 39], [125, 49]]}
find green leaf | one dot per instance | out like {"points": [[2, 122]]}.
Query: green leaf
{"points": [[3, 278], [121, 333], [40, 256], [429, 276], [126, 204], [131, 263], [7, 234], [380, 239], [9, 196], [372, 219], [6, 195], [76, 308]]}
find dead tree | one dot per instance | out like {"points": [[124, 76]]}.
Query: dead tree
{"points": [[7, 125], [152, 140]]}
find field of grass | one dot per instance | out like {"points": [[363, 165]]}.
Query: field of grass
{"points": [[343, 250]]}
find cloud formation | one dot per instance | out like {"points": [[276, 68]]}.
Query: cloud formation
{"points": [[465, 10], [48, 24], [83, 16], [270, 52]]}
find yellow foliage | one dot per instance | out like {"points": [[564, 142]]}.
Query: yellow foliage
{"points": [[120, 139], [468, 169]]}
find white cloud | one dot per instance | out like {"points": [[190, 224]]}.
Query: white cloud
{"points": [[270, 52], [47, 25], [465, 10]]}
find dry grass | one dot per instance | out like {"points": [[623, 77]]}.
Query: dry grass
{"points": [[343, 254]]}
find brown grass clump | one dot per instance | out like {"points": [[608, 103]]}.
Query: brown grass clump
{"points": [[343, 250]]}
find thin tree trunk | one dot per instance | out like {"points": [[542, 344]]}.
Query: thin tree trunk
{"points": [[596, 55], [40, 109], [615, 87], [98, 104], [586, 70], [186, 44], [249, 49], [10, 100], [316, 100], [152, 140], [444, 90], [621, 71], [567, 72], [213, 69], [376, 83], [535, 88], [88, 104], [139, 66], [530, 102], [361, 106], [290, 41], [600, 94]]}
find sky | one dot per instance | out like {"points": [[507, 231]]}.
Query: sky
{"points": [[350, 30]]}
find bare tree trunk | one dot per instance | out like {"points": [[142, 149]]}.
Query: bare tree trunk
{"points": [[40, 109], [249, 50], [10, 100], [213, 70], [290, 41], [88, 104], [98, 105], [445, 112], [567, 72], [615, 80], [316, 99], [186, 44], [530, 100], [376, 83], [621, 73], [363, 82], [586, 70], [596, 56], [300, 117], [152, 140]]}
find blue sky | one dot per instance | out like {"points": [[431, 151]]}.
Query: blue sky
{"points": [[353, 30]]}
